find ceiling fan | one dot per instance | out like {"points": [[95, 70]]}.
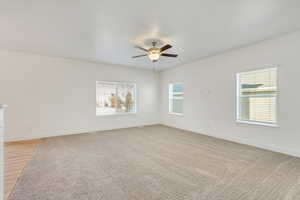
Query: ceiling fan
{"points": [[154, 52]]}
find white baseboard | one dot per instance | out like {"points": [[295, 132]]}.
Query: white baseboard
{"points": [[287, 151], [291, 152], [66, 132]]}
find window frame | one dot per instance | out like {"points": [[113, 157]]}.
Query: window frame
{"points": [[118, 113], [169, 98], [238, 87]]}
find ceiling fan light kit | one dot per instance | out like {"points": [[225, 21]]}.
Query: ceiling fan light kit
{"points": [[154, 52]]}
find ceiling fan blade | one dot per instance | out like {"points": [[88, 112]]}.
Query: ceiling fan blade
{"points": [[167, 46], [169, 55], [141, 48], [139, 56]]}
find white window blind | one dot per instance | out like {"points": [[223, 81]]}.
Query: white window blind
{"points": [[115, 98], [176, 98], [257, 96]]}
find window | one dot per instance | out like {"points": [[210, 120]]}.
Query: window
{"points": [[115, 98], [257, 97], [175, 98]]}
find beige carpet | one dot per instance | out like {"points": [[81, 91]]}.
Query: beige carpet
{"points": [[157, 163]]}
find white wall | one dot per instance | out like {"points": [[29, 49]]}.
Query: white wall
{"points": [[50, 96], [210, 94]]}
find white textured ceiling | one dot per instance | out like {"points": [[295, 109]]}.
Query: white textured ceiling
{"points": [[107, 30]]}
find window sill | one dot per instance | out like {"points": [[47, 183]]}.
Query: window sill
{"points": [[115, 114], [257, 123], [178, 114]]}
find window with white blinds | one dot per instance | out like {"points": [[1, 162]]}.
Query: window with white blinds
{"points": [[257, 96], [175, 98]]}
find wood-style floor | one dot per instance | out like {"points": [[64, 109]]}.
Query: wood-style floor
{"points": [[16, 157]]}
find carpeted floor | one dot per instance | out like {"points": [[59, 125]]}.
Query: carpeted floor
{"points": [[157, 163]]}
